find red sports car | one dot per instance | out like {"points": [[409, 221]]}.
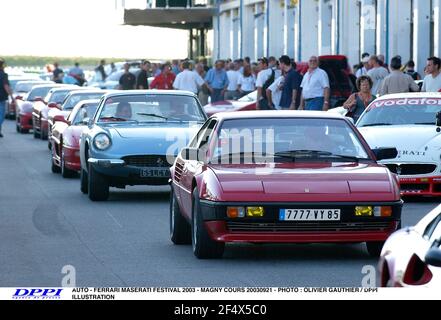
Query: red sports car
{"points": [[65, 138], [40, 110], [25, 106], [284, 176]]}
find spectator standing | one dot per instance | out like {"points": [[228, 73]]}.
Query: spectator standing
{"points": [[432, 80], [364, 67], [217, 81], [164, 80], [382, 62], [203, 92], [233, 76], [78, 74], [142, 81], [315, 88], [188, 80], [291, 84], [100, 70], [57, 74], [358, 102], [410, 70], [175, 67], [247, 82], [397, 81], [274, 65], [377, 73], [127, 80], [265, 78], [5, 91], [274, 93]]}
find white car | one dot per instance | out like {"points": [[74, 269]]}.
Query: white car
{"points": [[408, 122], [412, 256]]}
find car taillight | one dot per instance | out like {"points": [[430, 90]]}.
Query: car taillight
{"points": [[417, 272]]}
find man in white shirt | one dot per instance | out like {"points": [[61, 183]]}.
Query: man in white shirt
{"points": [[377, 73], [315, 88], [432, 81], [274, 93], [364, 69], [188, 80], [265, 78], [233, 80]]}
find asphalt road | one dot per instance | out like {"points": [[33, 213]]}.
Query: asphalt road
{"points": [[46, 223]]}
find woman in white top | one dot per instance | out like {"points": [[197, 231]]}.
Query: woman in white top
{"points": [[247, 82]]}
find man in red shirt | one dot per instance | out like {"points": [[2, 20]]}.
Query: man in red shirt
{"points": [[165, 79]]}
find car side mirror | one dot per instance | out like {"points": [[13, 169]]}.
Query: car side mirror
{"points": [[196, 154], [438, 119], [60, 118], [385, 153], [433, 257]]}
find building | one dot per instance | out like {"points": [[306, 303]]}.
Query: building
{"points": [[301, 28]]}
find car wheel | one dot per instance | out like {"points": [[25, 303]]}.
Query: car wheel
{"points": [[17, 127], [65, 172], [54, 167], [83, 181], [203, 246], [98, 187], [374, 248], [24, 130], [49, 145], [180, 231]]}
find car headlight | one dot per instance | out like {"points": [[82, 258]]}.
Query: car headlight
{"points": [[102, 141]]}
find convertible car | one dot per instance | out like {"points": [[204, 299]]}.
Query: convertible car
{"points": [[408, 121], [65, 138], [286, 176], [412, 255], [134, 138]]}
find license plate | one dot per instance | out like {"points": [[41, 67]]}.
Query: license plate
{"points": [[154, 173], [309, 215]]}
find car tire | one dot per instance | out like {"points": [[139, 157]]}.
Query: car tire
{"points": [[65, 172], [17, 127], [203, 246], [374, 248], [24, 130], [83, 181], [180, 230], [98, 187], [54, 167]]}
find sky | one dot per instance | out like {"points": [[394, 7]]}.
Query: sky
{"points": [[87, 28]]}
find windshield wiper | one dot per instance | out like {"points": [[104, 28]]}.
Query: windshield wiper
{"points": [[309, 153], [377, 124], [113, 119], [151, 115]]}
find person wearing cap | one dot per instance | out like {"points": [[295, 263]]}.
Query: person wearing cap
{"points": [[363, 70], [397, 81], [5, 91], [265, 78], [315, 88]]}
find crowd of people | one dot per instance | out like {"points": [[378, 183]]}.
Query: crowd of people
{"points": [[279, 85]]}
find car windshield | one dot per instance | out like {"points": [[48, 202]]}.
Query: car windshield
{"points": [[151, 108], [71, 100], [252, 96], [288, 139], [25, 86], [418, 111], [38, 92], [86, 111], [58, 96]]}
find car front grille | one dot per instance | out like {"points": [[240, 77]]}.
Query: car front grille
{"points": [[411, 168], [156, 161], [281, 227]]}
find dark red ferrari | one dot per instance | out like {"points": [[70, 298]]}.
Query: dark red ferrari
{"points": [[281, 176]]}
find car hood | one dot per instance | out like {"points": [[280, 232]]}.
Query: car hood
{"points": [[414, 143], [227, 106], [142, 139], [306, 182]]}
